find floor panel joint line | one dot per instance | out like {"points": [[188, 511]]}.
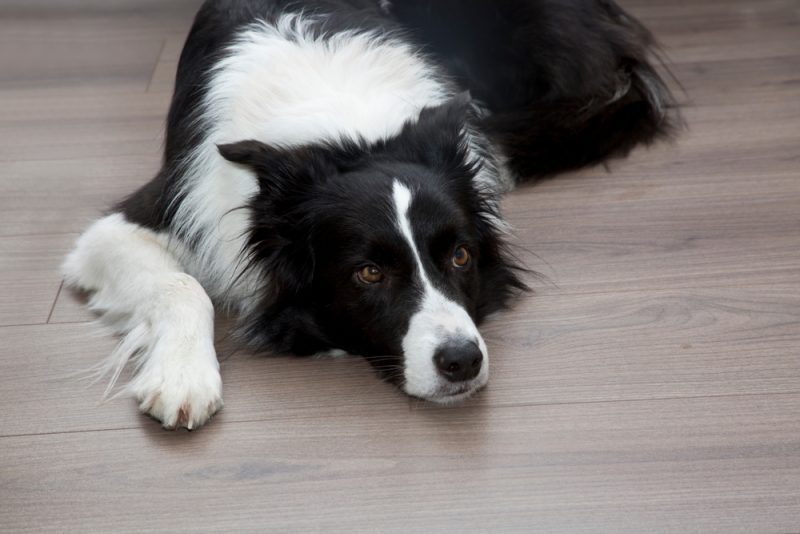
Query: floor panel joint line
{"points": [[53, 307], [155, 67]]}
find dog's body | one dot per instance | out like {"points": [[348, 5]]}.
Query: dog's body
{"points": [[328, 179]]}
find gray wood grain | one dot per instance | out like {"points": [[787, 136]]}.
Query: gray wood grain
{"points": [[29, 277], [59, 196], [651, 383], [727, 464]]}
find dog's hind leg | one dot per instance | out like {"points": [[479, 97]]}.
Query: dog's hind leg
{"points": [[164, 316]]}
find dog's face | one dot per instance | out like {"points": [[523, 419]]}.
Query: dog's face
{"points": [[397, 279], [392, 259]]}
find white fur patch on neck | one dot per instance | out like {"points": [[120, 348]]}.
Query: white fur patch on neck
{"points": [[285, 83], [438, 321]]}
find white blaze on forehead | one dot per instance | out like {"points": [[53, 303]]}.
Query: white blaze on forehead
{"points": [[438, 321]]}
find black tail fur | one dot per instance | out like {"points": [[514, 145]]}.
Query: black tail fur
{"points": [[568, 83]]}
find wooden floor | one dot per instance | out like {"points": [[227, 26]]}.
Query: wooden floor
{"points": [[652, 383]]}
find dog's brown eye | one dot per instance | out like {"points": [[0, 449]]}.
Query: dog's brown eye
{"points": [[461, 257], [370, 275]]}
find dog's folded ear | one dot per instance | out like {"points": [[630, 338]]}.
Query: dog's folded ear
{"points": [[285, 169], [274, 166], [250, 153], [299, 165]]}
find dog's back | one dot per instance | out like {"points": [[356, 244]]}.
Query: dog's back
{"points": [[558, 84]]}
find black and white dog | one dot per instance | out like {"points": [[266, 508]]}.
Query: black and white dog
{"points": [[332, 173]]}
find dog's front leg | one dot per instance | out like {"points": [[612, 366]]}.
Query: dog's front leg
{"points": [[164, 315]]}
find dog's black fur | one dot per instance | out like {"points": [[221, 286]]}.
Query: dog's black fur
{"points": [[569, 83], [526, 88]]}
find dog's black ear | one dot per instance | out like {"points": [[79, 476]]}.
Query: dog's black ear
{"points": [[249, 153], [280, 170], [292, 169]]}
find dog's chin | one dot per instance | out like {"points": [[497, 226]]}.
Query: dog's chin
{"points": [[448, 394]]}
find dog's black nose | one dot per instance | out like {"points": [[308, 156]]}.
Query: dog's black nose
{"points": [[459, 362]]}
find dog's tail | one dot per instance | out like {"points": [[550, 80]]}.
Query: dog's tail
{"points": [[567, 83]]}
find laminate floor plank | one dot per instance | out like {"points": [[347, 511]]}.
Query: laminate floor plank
{"points": [[70, 308], [647, 344], [732, 465], [41, 363], [29, 278], [134, 135], [78, 50], [64, 196], [573, 348]]}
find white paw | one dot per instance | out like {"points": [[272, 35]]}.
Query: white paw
{"points": [[179, 383]]}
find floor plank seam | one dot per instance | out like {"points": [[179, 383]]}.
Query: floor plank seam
{"points": [[22, 325], [155, 67], [541, 293], [69, 432], [43, 234], [289, 414], [644, 399], [55, 300]]}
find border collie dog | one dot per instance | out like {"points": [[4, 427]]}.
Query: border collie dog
{"points": [[332, 173]]}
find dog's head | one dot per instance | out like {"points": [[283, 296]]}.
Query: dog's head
{"points": [[390, 251]]}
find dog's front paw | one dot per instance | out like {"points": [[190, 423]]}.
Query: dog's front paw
{"points": [[181, 390], [187, 399]]}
